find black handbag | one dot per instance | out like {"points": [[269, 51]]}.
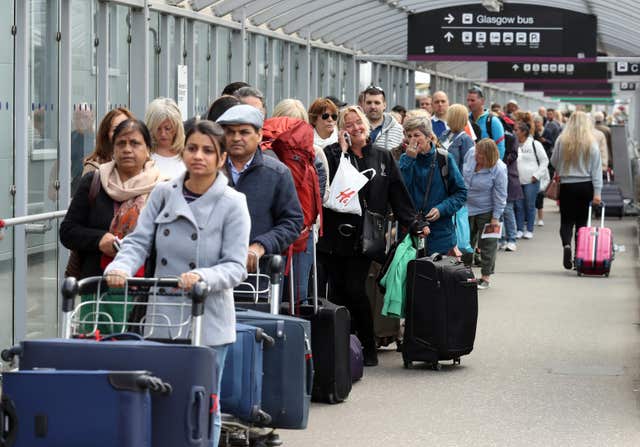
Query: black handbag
{"points": [[374, 242]]}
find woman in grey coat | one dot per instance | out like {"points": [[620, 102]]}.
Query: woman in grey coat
{"points": [[200, 227]]}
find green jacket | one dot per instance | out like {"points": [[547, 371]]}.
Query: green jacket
{"points": [[394, 281]]}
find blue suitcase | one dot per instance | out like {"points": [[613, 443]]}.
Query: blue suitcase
{"points": [[75, 409], [183, 419], [288, 367], [241, 389]]}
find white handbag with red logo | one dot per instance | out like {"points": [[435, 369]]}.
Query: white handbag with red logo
{"points": [[343, 192]]}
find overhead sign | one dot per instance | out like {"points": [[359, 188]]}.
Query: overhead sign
{"points": [[576, 93], [586, 72], [520, 32], [627, 69], [583, 87], [627, 86]]}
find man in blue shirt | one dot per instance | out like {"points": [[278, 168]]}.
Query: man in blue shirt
{"points": [[440, 104], [482, 117]]}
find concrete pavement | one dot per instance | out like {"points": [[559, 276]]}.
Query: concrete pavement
{"points": [[556, 363]]}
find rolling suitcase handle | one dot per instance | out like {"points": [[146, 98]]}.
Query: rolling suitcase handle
{"points": [[71, 288], [601, 214], [276, 268]]}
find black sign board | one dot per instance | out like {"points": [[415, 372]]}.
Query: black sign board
{"points": [[627, 86], [571, 73], [627, 69], [550, 87], [520, 32], [577, 93]]}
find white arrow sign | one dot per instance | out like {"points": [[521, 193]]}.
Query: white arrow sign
{"points": [[516, 67], [449, 18], [448, 36]]}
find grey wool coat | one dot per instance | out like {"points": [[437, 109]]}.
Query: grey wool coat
{"points": [[209, 236]]}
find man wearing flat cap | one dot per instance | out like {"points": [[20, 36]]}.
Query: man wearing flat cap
{"points": [[276, 216]]}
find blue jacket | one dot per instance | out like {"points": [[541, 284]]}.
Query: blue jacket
{"points": [[276, 216], [497, 130], [487, 188], [458, 145], [415, 172]]}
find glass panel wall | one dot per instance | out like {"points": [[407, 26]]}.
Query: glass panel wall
{"points": [[224, 57], [202, 61], [154, 55], [42, 285], [279, 50], [119, 55], [262, 60], [6, 169], [83, 85]]}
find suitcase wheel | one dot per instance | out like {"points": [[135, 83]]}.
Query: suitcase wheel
{"points": [[456, 361], [435, 366], [407, 364]]}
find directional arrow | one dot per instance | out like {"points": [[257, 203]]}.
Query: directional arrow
{"points": [[516, 67], [449, 18], [448, 36]]}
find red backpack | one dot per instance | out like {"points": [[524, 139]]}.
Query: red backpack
{"points": [[292, 141]]}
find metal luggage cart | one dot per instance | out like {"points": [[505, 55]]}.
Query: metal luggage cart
{"points": [[161, 304]]}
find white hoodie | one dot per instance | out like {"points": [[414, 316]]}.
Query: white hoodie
{"points": [[528, 165]]}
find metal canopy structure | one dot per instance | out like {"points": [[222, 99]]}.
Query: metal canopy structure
{"points": [[378, 27]]}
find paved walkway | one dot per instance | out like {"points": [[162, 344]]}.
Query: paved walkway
{"points": [[556, 363]]}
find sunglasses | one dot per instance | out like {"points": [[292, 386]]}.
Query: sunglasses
{"points": [[325, 116]]}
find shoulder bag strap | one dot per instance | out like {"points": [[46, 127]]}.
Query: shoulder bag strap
{"points": [[433, 168], [94, 188]]}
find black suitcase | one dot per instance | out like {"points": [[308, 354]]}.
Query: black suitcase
{"points": [[612, 196], [441, 311]]}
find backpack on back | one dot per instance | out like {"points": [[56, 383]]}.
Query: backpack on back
{"points": [[293, 144]]}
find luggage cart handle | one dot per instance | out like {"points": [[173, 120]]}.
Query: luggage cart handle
{"points": [[276, 270]]}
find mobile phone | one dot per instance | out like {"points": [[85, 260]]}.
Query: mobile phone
{"points": [[347, 138]]}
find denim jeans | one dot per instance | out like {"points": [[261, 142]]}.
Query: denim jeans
{"points": [[526, 208], [509, 219], [301, 263], [221, 354]]}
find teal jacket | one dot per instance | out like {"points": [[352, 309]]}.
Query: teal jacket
{"points": [[394, 281]]}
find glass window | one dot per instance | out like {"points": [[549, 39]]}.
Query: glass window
{"points": [[154, 55], [6, 170], [202, 61], [42, 309], [119, 55], [224, 57], [83, 85], [279, 49]]}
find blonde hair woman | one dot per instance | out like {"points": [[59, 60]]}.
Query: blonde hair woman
{"points": [[486, 178], [340, 247], [164, 120], [576, 158], [292, 108], [456, 140]]}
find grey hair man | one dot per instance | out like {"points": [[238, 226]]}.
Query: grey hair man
{"points": [[253, 97]]}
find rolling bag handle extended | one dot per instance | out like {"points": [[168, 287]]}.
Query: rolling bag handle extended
{"points": [[276, 269], [594, 245], [72, 288]]}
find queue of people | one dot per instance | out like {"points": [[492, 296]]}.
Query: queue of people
{"points": [[214, 196]]}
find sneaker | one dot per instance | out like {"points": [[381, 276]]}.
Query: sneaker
{"points": [[528, 235], [519, 234], [502, 245], [482, 284], [511, 246], [540, 223], [566, 257]]}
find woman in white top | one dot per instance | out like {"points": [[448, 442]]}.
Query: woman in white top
{"points": [[532, 164], [164, 121]]}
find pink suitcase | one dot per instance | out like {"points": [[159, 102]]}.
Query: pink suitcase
{"points": [[594, 248]]}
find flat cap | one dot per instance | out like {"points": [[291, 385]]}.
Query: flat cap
{"points": [[242, 114]]}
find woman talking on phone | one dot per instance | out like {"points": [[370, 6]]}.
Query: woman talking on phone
{"points": [[340, 247]]}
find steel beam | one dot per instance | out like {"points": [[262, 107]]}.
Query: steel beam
{"points": [[139, 83]]}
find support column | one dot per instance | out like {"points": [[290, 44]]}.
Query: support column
{"points": [[164, 71], [190, 50], [102, 59], [286, 73], [411, 100], [239, 52]]}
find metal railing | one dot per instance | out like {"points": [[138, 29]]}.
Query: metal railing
{"points": [[30, 222]]}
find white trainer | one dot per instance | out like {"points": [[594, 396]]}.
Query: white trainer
{"points": [[540, 223], [511, 246], [519, 234], [528, 235]]}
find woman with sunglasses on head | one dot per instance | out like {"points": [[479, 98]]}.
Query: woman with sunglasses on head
{"points": [[323, 116], [200, 229], [341, 246]]}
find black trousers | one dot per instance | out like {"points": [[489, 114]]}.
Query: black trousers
{"points": [[347, 276], [574, 208]]}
